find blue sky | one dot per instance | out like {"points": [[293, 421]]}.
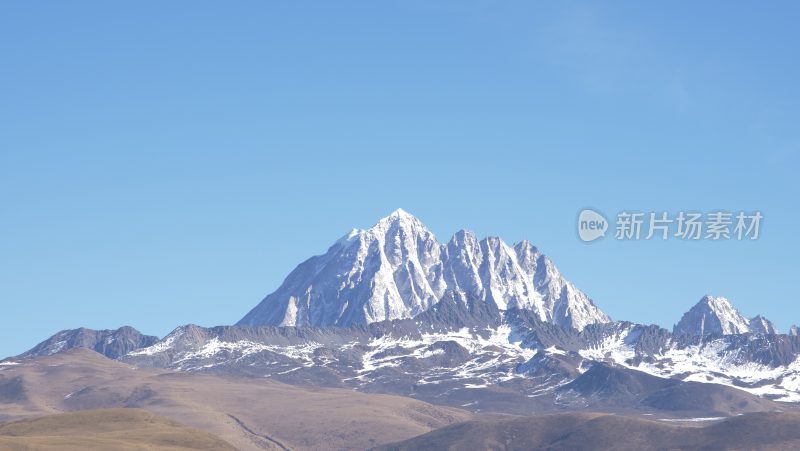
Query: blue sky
{"points": [[163, 164]]}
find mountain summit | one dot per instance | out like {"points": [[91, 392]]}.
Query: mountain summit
{"points": [[761, 325], [716, 315], [397, 269]]}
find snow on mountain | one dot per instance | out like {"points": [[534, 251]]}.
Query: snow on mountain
{"points": [[762, 365], [397, 269], [463, 345], [442, 322], [761, 325], [435, 356], [712, 315], [111, 343], [390, 271]]}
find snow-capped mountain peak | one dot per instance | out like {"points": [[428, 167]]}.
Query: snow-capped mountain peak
{"points": [[400, 215], [712, 315], [397, 269], [761, 325], [399, 219]]}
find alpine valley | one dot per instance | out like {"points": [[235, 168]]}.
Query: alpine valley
{"points": [[471, 326]]}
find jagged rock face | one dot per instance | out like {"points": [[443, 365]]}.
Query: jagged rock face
{"points": [[761, 325], [712, 315], [467, 322], [463, 349], [397, 269], [390, 271], [111, 343]]}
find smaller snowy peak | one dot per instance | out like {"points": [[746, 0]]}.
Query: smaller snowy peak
{"points": [[761, 325], [464, 239], [110, 343], [400, 214], [526, 251], [398, 223], [400, 218], [185, 337], [712, 315], [794, 330], [397, 226]]}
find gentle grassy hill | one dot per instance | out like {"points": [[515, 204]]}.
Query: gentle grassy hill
{"points": [[247, 412], [105, 429], [600, 431]]}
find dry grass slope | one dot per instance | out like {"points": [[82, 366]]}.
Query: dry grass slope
{"points": [[248, 413], [591, 431], [105, 429]]}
